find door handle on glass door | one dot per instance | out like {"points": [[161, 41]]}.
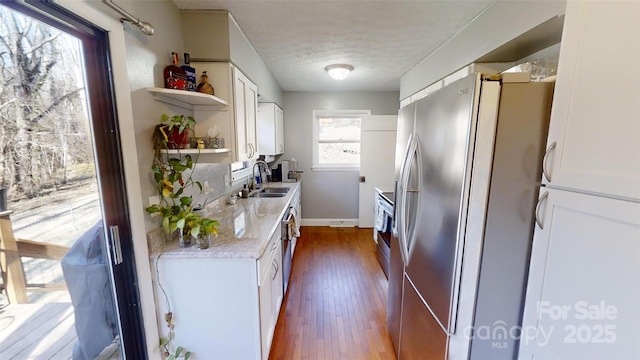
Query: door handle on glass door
{"points": [[538, 205], [116, 248], [546, 173]]}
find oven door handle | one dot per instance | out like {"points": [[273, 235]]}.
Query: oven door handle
{"points": [[285, 227]]}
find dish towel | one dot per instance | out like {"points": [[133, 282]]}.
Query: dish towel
{"points": [[379, 216], [293, 227]]}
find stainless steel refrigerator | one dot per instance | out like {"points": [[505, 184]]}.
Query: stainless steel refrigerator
{"points": [[467, 177]]}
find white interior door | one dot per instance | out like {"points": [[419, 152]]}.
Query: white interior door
{"points": [[377, 156]]}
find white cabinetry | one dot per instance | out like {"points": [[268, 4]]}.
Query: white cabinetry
{"points": [[270, 291], [223, 308], [237, 125], [586, 257], [583, 290], [270, 129], [594, 135], [296, 205], [246, 102]]}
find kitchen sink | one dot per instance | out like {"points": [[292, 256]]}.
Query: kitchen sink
{"points": [[268, 195], [275, 190]]}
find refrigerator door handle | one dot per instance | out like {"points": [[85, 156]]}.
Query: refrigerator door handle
{"points": [[394, 222], [546, 173], [537, 213], [415, 151], [404, 241], [398, 205]]}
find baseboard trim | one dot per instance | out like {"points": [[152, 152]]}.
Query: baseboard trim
{"points": [[330, 222]]}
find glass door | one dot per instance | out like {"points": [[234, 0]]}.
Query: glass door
{"points": [[68, 271]]}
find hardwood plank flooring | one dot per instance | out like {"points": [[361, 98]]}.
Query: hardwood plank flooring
{"points": [[335, 307]]}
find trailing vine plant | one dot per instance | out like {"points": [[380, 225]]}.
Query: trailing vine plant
{"points": [[166, 342], [176, 210]]}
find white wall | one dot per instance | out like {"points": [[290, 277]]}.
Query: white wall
{"points": [[147, 57], [500, 23], [327, 194]]}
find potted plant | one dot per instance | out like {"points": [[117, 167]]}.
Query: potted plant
{"points": [[176, 207], [175, 131]]}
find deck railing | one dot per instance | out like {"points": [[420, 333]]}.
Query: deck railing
{"points": [[11, 252]]}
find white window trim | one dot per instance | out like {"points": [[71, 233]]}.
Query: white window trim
{"points": [[316, 139], [240, 175]]}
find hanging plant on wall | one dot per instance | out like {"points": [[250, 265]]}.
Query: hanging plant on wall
{"points": [[173, 177]]}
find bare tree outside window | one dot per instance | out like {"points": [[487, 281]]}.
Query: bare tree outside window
{"points": [[47, 162], [337, 138], [43, 137]]}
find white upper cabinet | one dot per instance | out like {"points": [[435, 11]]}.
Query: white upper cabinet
{"points": [[270, 129], [236, 123], [594, 135], [246, 96]]}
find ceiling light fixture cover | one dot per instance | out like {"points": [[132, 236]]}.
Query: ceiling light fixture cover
{"points": [[339, 71]]}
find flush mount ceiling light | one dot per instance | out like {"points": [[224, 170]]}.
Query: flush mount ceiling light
{"points": [[339, 71]]}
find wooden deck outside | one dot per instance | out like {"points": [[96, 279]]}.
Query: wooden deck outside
{"points": [[31, 331], [37, 331]]}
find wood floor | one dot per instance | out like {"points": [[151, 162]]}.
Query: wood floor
{"points": [[336, 303]]}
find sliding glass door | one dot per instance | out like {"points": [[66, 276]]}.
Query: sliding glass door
{"points": [[62, 173]]}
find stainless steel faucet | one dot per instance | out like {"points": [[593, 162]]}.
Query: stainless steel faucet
{"points": [[267, 171]]}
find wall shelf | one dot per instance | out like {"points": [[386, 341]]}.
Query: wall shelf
{"points": [[188, 99]]}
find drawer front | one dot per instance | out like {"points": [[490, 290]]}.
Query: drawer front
{"points": [[264, 262]]}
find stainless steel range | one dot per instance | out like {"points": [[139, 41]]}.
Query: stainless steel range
{"points": [[383, 224]]}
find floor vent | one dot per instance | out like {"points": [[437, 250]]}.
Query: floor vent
{"points": [[342, 223]]}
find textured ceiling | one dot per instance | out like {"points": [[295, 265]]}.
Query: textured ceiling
{"points": [[381, 39]]}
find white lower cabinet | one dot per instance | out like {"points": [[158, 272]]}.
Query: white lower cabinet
{"points": [[223, 308], [270, 291], [296, 206], [583, 293]]}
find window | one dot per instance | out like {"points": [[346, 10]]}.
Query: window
{"points": [[240, 170], [336, 139]]}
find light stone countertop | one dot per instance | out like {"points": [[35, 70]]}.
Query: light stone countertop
{"points": [[244, 231]]}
